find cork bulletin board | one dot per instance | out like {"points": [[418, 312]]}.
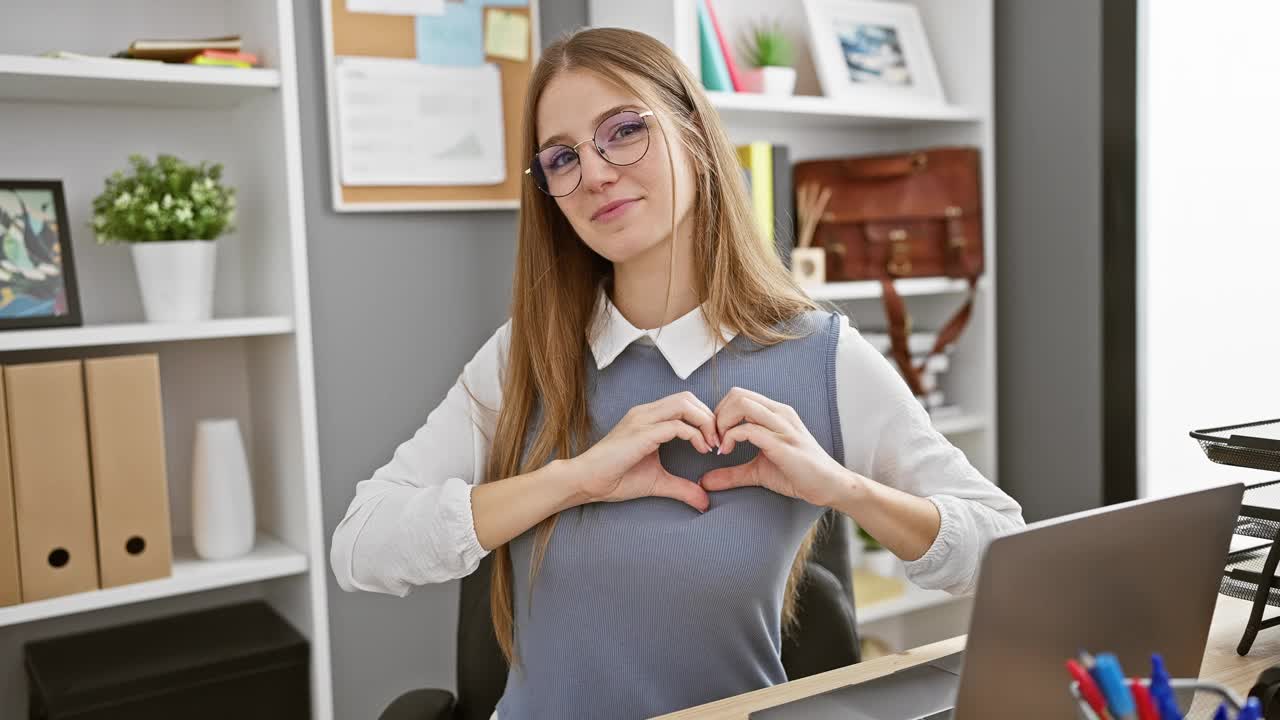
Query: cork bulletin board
{"points": [[350, 34]]}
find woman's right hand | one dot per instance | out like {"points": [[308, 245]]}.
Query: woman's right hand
{"points": [[624, 464]]}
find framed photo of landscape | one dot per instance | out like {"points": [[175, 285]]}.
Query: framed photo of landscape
{"points": [[872, 50]]}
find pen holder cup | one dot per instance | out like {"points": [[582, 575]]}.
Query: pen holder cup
{"points": [[1186, 690]]}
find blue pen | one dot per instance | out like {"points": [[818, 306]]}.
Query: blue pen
{"points": [[1169, 708], [1114, 688], [1161, 692], [1221, 712], [1252, 710]]}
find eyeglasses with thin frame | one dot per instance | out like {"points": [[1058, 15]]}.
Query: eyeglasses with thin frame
{"points": [[621, 139]]}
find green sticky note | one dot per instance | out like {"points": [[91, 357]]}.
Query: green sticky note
{"points": [[506, 35]]}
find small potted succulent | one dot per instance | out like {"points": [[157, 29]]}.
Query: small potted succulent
{"points": [[169, 212], [769, 53]]}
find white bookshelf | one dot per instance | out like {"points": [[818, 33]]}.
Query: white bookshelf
{"points": [[77, 121], [269, 559], [810, 111], [960, 424], [130, 82], [143, 332], [913, 598], [870, 289]]}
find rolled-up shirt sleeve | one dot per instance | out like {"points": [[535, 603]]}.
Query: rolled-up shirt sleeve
{"points": [[410, 523], [890, 438]]}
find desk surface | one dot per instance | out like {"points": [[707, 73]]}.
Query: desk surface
{"points": [[1221, 664]]}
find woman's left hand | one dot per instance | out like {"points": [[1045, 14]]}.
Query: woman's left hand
{"points": [[790, 462]]}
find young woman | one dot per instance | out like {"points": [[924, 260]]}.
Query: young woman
{"points": [[663, 379]]}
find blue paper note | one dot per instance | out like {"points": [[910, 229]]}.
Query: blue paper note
{"points": [[454, 38], [457, 36]]}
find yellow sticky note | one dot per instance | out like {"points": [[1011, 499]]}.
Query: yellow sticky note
{"points": [[506, 34]]}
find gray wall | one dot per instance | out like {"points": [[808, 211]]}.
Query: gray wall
{"points": [[1049, 221], [400, 302]]}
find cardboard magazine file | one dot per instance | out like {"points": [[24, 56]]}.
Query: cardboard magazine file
{"points": [[53, 497], [127, 454], [10, 580]]}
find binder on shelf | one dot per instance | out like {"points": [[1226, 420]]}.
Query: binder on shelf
{"points": [[757, 158], [53, 497], [10, 579], [715, 73], [735, 79], [127, 454], [784, 204]]}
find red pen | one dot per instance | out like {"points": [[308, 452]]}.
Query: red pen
{"points": [[1142, 698], [1089, 690]]}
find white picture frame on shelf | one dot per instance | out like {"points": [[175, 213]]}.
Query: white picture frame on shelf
{"points": [[873, 51]]}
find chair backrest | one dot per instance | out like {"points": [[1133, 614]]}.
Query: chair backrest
{"points": [[826, 638]]}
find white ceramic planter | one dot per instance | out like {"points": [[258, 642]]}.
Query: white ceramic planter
{"points": [[176, 279], [771, 80], [222, 515]]}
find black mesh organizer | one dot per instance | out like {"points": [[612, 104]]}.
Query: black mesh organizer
{"points": [[1252, 447], [1250, 572]]}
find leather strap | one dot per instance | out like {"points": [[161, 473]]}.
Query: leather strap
{"points": [[900, 329]]}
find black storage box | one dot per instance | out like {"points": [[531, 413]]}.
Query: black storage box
{"points": [[238, 661]]}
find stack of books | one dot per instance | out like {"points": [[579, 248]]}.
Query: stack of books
{"points": [[719, 71], [919, 345], [766, 170], [223, 58], [218, 51]]}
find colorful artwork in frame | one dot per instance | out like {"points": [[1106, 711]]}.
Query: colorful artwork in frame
{"points": [[37, 273]]}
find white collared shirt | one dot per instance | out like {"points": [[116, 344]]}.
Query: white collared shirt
{"points": [[411, 524]]}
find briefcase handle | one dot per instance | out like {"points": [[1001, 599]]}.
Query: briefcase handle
{"points": [[887, 167]]}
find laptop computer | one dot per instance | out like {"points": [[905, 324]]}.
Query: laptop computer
{"points": [[1131, 578]]}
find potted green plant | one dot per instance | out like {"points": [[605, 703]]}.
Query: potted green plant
{"points": [[769, 53], [169, 212]]}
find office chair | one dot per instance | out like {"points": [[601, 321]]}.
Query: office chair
{"points": [[826, 637]]}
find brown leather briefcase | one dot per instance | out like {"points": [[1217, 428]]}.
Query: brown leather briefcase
{"points": [[902, 215]]}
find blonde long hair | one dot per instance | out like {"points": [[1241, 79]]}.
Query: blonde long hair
{"points": [[742, 284]]}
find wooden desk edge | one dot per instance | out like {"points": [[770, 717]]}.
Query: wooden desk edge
{"points": [[1221, 664]]}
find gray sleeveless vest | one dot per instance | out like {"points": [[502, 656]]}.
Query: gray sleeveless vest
{"points": [[646, 606]]}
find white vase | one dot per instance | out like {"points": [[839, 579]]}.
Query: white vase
{"points": [[176, 279], [222, 516], [771, 80]]}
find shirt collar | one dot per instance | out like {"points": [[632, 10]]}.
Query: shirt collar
{"points": [[685, 342]]}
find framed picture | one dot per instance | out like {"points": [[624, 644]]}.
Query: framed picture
{"points": [[37, 274], [872, 50]]}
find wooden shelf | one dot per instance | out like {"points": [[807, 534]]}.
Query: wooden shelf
{"points": [[133, 333], [812, 111], [865, 289], [133, 83], [269, 559]]}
